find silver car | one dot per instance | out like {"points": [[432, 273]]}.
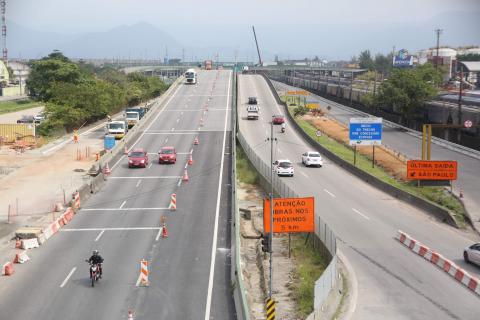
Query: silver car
{"points": [[472, 254]]}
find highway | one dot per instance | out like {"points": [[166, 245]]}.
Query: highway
{"points": [[393, 283], [189, 272], [410, 145]]}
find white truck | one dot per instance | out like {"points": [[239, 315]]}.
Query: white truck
{"points": [[117, 129], [252, 112], [132, 118]]}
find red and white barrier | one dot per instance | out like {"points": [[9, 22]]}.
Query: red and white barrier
{"points": [[440, 261], [76, 199], [30, 243], [21, 257]]}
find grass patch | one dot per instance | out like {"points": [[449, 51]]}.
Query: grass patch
{"points": [[246, 173], [17, 105], [310, 265], [437, 195]]}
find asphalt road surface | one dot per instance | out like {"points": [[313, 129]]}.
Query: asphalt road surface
{"points": [[411, 146], [189, 271], [393, 283]]}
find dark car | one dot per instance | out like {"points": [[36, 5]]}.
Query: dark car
{"points": [[138, 158], [278, 119], [252, 100], [167, 155], [26, 119]]}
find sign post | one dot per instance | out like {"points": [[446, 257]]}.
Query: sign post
{"points": [[365, 132]]}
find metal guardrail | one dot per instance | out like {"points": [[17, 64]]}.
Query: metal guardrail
{"points": [[239, 297]]}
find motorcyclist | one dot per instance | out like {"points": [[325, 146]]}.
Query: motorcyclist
{"points": [[97, 260], [109, 118], [284, 126]]}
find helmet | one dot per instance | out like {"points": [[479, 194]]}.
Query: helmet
{"points": [[95, 252]]}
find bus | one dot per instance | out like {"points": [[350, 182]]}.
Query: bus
{"points": [[190, 76]]}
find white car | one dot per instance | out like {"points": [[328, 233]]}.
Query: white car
{"points": [[284, 168], [312, 158], [472, 254]]}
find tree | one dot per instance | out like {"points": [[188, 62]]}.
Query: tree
{"points": [[469, 57], [365, 60], [406, 90], [383, 64], [49, 70]]}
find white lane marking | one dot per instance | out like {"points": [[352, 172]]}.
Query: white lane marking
{"points": [[166, 140], [110, 229], [361, 214], [179, 182], [149, 126], [123, 203], [159, 233], [178, 120], [138, 183], [331, 194], [304, 174], [215, 229], [173, 129], [68, 277], [181, 113], [122, 209], [99, 235], [148, 177], [150, 165]]}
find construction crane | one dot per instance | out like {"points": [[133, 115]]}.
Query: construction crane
{"points": [[258, 49]]}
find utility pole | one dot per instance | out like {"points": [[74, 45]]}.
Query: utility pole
{"points": [[460, 91], [438, 32], [271, 211]]}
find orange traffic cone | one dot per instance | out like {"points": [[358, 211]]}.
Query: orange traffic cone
{"points": [[106, 170], [130, 314], [185, 175], [190, 161], [164, 231], [196, 141], [18, 243], [125, 150]]}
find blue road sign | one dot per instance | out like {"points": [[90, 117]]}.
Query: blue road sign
{"points": [[365, 131]]}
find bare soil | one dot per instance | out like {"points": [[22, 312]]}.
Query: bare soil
{"points": [[392, 162], [255, 263]]}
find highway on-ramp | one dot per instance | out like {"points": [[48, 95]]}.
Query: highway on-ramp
{"points": [[393, 283], [189, 272]]}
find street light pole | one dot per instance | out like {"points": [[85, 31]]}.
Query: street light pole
{"points": [[271, 212]]}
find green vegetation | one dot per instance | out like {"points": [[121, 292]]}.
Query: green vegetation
{"points": [[468, 57], [17, 105], [246, 173], [406, 90], [434, 194], [78, 93], [381, 63], [310, 266]]}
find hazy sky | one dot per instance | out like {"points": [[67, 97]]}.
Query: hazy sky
{"points": [[286, 27]]}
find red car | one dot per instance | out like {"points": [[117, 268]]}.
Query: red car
{"points": [[167, 155], [278, 119], [138, 158]]}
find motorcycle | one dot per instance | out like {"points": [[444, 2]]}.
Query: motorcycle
{"points": [[94, 272], [282, 130]]}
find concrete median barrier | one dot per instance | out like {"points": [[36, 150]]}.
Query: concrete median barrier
{"points": [[440, 261]]}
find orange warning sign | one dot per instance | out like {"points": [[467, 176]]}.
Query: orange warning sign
{"points": [[431, 170], [298, 93], [290, 215]]}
